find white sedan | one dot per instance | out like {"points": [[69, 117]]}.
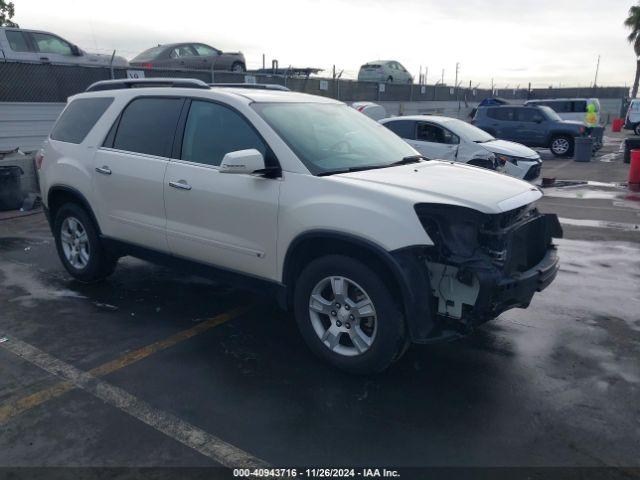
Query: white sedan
{"points": [[452, 139]]}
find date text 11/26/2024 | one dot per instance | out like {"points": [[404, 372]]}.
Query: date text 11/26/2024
{"points": [[315, 473]]}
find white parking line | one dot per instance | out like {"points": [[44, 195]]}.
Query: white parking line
{"points": [[172, 426]]}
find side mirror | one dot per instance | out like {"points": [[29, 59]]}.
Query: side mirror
{"points": [[243, 161], [75, 51]]}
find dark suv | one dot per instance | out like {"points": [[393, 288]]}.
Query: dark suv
{"points": [[531, 126]]}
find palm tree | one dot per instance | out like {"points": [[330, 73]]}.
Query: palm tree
{"points": [[633, 22]]}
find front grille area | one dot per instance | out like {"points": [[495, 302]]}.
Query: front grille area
{"points": [[516, 240]]}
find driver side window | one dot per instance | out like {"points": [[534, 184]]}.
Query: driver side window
{"points": [[428, 132], [49, 44]]}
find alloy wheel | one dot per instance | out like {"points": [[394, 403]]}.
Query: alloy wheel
{"points": [[560, 146], [343, 316], [75, 242]]}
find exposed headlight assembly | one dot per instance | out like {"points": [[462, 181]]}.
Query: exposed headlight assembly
{"points": [[453, 229]]}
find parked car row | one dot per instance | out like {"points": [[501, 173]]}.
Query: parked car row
{"points": [[18, 44]]}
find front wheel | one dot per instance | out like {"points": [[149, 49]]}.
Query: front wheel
{"points": [[348, 316], [562, 146], [79, 246], [636, 129]]}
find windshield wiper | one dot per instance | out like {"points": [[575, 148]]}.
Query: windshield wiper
{"points": [[404, 161], [484, 141], [349, 170], [409, 159]]}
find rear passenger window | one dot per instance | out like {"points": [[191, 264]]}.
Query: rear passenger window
{"points": [[403, 128], [17, 41], [79, 118], [212, 131], [501, 113], [148, 126]]}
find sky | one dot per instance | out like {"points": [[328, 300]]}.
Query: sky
{"points": [[513, 42]]}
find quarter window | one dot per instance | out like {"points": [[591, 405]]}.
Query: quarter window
{"points": [[17, 41], [78, 119], [213, 130], [148, 126]]}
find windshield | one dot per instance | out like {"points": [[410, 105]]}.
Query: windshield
{"points": [[467, 131], [551, 114], [333, 137]]}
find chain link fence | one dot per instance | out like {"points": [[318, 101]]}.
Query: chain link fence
{"points": [[36, 82]]}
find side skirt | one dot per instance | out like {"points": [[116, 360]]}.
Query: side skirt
{"points": [[233, 278]]}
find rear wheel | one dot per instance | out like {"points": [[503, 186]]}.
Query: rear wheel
{"points": [[79, 246], [562, 146], [348, 316], [636, 129], [237, 67]]}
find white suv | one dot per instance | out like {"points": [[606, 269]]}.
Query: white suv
{"points": [[371, 246]]}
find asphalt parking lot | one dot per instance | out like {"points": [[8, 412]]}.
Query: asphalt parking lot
{"points": [[158, 368]]}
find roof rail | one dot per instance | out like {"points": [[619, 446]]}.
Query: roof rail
{"points": [[146, 82], [254, 86]]}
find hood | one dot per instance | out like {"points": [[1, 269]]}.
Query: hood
{"points": [[510, 148], [448, 183]]}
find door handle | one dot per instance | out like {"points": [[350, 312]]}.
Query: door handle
{"points": [[181, 184], [103, 170]]}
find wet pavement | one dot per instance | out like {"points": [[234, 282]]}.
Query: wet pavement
{"points": [[557, 384]]}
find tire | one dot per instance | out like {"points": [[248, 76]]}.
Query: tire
{"points": [[636, 129], [86, 261], [377, 325], [562, 146], [389, 79], [238, 67]]}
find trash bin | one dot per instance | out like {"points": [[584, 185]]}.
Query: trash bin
{"points": [[582, 149], [10, 192], [631, 143]]}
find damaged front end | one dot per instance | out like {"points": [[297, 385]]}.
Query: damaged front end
{"points": [[484, 264]]}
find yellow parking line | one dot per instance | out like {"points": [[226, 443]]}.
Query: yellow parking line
{"points": [[16, 407]]}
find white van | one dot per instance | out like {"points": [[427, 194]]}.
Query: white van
{"points": [[571, 108], [632, 120]]}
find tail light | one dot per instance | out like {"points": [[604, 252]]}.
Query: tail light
{"points": [[360, 109], [582, 130], [147, 65], [39, 159]]}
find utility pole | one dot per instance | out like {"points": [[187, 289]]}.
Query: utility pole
{"points": [[595, 80], [420, 76], [492, 89], [455, 85], [442, 79], [426, 72]]}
